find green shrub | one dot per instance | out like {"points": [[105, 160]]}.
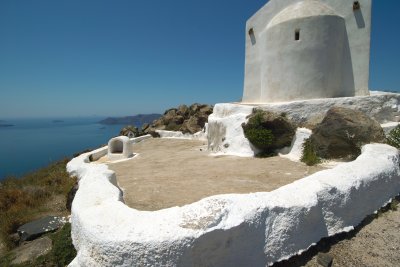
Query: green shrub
{"points": [[394, 204], [63, 251], [394, 137], [258, 136], [309, 156], [268, 131]]}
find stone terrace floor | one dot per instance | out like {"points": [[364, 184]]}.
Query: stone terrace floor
{"points": [[175, 172]]}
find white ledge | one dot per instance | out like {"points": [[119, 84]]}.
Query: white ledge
{"points": [[256, 229]]}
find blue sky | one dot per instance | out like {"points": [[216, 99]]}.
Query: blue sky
{"points": [[97, 57]]}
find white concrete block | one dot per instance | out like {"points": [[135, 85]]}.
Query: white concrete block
{"points": [[120, 148]]}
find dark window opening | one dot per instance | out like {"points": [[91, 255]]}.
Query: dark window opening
{"points": [[251, 31], [356, 5], [297, 35], [252, 36]]}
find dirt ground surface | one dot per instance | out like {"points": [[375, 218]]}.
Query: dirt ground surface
{"points": [[175, 172], [375, 243]]}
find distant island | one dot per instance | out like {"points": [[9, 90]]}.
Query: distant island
{"points": [[136, 120], [57, 121], [6, 125]]}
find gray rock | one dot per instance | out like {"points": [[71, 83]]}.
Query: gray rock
{"points": [[183, 110], [130, 131], [39, 227], [31, 250], [324, 259], [145, 126], [194, 108], [342, 133], [194, 124], [154, 134], [206, 109], [185, 119], [170, 111]]}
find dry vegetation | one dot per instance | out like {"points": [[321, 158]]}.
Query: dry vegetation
{"points": [[35, 195]]}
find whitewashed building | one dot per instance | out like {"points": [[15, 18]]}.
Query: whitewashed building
{"points": [[306, 49]]}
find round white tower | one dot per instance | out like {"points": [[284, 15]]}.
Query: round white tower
{"points": [[303, 50]]}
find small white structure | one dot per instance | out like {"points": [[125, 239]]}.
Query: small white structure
{"points": [[306, 49], [120, 148]]}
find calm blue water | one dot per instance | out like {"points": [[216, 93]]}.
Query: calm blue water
{"points": [[34, 143]]}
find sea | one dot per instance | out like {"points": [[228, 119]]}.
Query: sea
{"points": [[31, 144]]}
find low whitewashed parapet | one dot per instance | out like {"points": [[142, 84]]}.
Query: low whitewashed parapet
{"points": [[98, 153], [201, 135], [225, 133], [382, 106], [140, 138], [228, 230]]}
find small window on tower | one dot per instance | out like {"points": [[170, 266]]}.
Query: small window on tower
{"points": [[356, 5], [252, 36], [297, 35]]}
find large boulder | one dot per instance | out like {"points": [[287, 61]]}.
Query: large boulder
{"points": [[40, 227], [342, 133], [269, 131], [193, 125]]}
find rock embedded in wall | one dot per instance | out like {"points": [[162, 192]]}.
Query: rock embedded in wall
{"points": [[343, 132]]}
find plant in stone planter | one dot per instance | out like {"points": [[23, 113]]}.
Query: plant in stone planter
{"points": [[309, 155], [268, 132], [393, 138]]}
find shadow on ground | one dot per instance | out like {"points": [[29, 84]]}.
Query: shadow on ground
{"points": [[325, 244]]}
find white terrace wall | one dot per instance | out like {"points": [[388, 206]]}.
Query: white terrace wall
{"points": [[227, 230], [225, 132]]}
